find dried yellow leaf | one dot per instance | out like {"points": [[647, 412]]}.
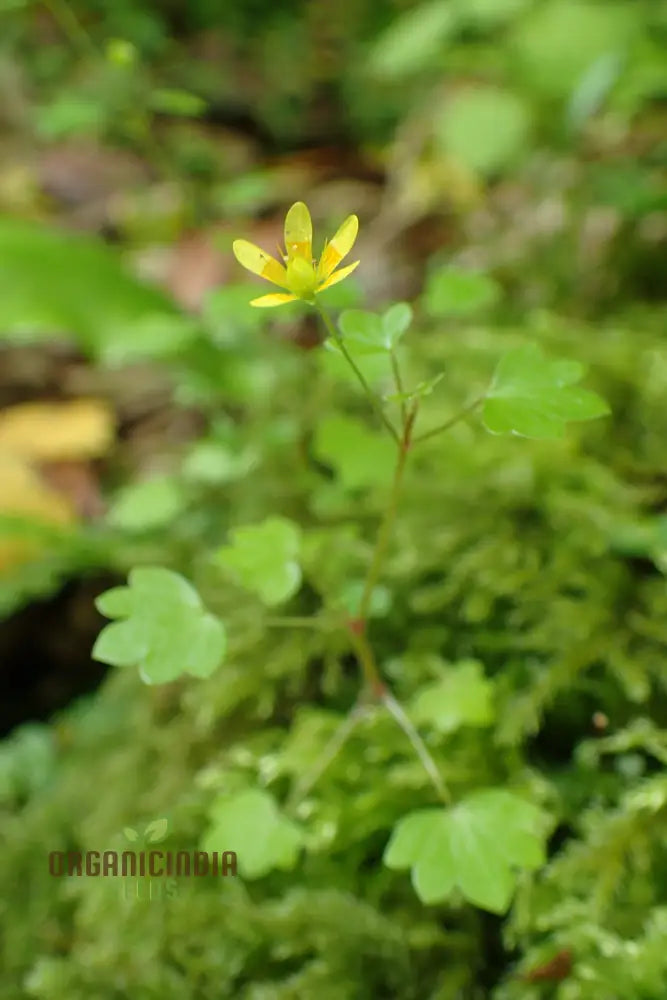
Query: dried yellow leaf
{"points": [[57, 431], [24, 494]]}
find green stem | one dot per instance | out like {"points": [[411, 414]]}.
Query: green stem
{"points": [[366, 658], [372, 397], [450, 423], [399, 385], [384, 533], [357, 626], [398, 713]]}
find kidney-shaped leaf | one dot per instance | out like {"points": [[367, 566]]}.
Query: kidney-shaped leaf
{"points": [[464, 697], [535, 396], [455, 292], [477, 847], [163, 628], [263, 558], [250, 824], [370, 333], [149, 504]]}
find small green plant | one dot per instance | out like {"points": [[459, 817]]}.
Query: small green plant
{"points": [[478, 844]]}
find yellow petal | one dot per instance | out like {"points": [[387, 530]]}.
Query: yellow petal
{"points": [[81, 429], [276, 299], [339, 247], [299, 233], [259, 262], [337, 276]]}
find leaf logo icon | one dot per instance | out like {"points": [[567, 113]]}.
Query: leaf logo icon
{"points": [[156, 830]]}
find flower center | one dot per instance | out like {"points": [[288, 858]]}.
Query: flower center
{"points": [[301, 278]]}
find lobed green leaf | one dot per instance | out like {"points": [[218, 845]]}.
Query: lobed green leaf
{"points": [[164, 629], [533, 396], [478, 847]]}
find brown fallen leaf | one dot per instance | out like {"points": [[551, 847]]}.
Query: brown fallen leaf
{"points": [[77, 172], [196, 267], [79, 483], [556, 969], [23, 493]]}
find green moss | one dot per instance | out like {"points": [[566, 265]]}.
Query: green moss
{"points": [[508, 551]]}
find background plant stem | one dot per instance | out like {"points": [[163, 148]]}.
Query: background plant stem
{"points": [[331, 750]]}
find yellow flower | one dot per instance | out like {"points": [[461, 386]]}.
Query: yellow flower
{"points": [[302, 276]]}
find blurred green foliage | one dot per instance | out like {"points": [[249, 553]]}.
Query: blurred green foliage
{"points": [[552, 61]]}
